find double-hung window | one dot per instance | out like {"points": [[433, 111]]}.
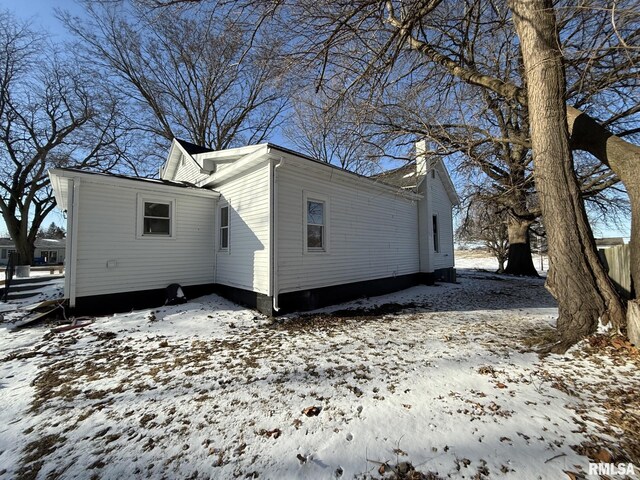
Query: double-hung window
{"points": [[316, 226], [224, 227], [157, 219]]}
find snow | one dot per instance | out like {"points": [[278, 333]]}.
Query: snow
{"points": [[481, 260], [44, 273], [14, 309], [446, 381]]}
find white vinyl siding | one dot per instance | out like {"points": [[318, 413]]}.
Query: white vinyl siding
{"points": [[188, 170], [112, 259], [441, 208], [246, 264], [372, 233]]}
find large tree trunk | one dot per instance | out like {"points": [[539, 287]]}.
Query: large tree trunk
{"points": [[623, 158], [520, 261], [25, 249], [576, 277], [23, 235]]}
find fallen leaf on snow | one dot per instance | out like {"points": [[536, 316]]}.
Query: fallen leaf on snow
{"points": [[603, 456], [312, 411]]}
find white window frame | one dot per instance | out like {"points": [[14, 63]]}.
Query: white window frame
{"points": [[319, 198], [222, 249], [144, 198]]}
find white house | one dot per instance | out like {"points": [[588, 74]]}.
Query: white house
{"points": [[48, 251], [261, 225]]}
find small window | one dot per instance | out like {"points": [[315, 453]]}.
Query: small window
{"points": [[157, 219], [224, 228], [315, 225], [4, 254], [436, 238]]}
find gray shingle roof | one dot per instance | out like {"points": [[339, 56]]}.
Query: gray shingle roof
{"points": [[403, 177]]}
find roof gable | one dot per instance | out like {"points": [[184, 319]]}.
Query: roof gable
{"points": [[192, 148]]}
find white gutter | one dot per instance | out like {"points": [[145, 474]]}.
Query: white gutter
{"points": [[72, 240], [274, 235]]}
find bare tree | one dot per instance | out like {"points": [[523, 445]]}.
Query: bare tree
{"points": [[50, 116], [336, 131], [484, 223], [575, 276], [490, 134], [202, 75], [385, 45], [420, 29]]}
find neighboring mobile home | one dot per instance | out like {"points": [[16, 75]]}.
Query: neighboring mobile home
{"points": [[262, 225]]}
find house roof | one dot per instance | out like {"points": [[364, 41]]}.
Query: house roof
{"points": [[403, 177], [243, 158], [39, 243], [192, 148], [607, 242], [156, 181], [51, 242], [61, 188]]}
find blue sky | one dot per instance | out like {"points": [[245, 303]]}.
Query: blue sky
{"points": [[41, 14]]}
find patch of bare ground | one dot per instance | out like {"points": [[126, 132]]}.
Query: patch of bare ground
{"points": [[621, 405], [345, 317], [535, 338], [35, 453]]}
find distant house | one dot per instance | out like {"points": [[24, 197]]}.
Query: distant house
{"points": [[609, 242], [47, 252], [262, 225]]}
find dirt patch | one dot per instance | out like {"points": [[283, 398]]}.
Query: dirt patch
{"points": [[349, 316], [35, 453]]}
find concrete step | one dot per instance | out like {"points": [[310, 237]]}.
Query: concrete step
{"points": [[23, 287], [34, 280], [22, 295]]}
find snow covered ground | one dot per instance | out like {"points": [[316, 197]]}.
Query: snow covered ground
{"points": [[481, 260], [435, 381]]}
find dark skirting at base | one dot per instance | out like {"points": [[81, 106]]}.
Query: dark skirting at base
{"points": [[287, 302]]}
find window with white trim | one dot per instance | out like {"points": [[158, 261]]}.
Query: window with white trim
{"points": [[156, 217], [224, 227], [316, 226]]}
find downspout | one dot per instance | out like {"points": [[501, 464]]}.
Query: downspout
{"points": [[274, 236], [216, 234], [72, 241]]}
